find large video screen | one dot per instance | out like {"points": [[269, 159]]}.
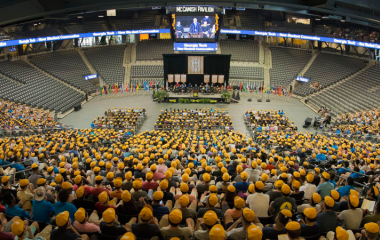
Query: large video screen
{"points": [[200, 28]]}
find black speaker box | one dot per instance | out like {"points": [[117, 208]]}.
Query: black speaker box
{"points": [[77, 107], [259, 100], [249, 99], [268, 100]]}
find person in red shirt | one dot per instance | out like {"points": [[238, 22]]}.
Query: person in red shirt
{"points": [[149, 184], [5, 235], [79, 182], [104, 203], [156, 175], [99, 188], [270, 165], [2, 208]]}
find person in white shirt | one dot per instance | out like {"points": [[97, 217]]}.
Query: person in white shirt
{"points": [[309, 188], [352, 217], [258, 202], [253, 173]]}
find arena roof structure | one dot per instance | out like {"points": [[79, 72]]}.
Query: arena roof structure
{"points": [[365, 12]]}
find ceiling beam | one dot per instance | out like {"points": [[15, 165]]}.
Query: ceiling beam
{"points": [[32, 9]]}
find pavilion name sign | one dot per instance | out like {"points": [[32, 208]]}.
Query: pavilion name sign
{"points": [[194, 9]]}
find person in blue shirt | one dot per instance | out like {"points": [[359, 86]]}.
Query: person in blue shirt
{"points": [[42, 208], [332, 177], [357, 175], [325, 187], [344, 169], [159, 210], [243, 185], [345, 190], [321, 156], [12, 209], [62, 205]]}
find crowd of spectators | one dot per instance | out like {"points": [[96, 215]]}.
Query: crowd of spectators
{"points": [[202, 119], [357, 34], [364, 124], [17, 116], [99, 183], [189, 184], [268, 120], [115, 118]]}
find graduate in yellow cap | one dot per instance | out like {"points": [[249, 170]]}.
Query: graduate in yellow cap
{"points": [[309, 228], [235, 213], [99, 187], [293, 229], [327, 218], [325, 186], [137, 191], [284, 202], [309, 187], [371, 231], [209, 219], [148, 227], [248, 217], [65, 229], [314, 202], [212, 201], [171, 225], [258, 201], [26, 191], [22, 230], [351, 218], [109, 227], [81, 222], [149, 183], [282, 218], [159, 209]]}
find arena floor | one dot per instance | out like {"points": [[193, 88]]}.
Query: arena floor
{"points": [[294, 109]]}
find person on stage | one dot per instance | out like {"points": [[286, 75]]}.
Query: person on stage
{"points": [[208, 21], [205, 29], [207, 87], [194, 27], [184, 87], [178, 30], [206, 24], [196, 87]]}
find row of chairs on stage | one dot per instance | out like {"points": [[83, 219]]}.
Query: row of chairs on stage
{"points": [[195, 89]]}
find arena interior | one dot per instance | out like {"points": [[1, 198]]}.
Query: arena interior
{"points": [[151, 120]]}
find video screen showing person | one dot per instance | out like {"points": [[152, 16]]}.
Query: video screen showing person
{"points": [[195, 27]]}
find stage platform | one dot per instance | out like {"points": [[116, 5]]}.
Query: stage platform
{"points": [[214, 98]]}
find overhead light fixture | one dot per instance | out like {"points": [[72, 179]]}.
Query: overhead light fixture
{"points": [[294, 18], [342, 20], [317, 19], [325, 17], [79, 16], [101, 16]]}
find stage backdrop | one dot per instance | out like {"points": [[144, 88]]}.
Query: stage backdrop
{"points": [[211, 64]]}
